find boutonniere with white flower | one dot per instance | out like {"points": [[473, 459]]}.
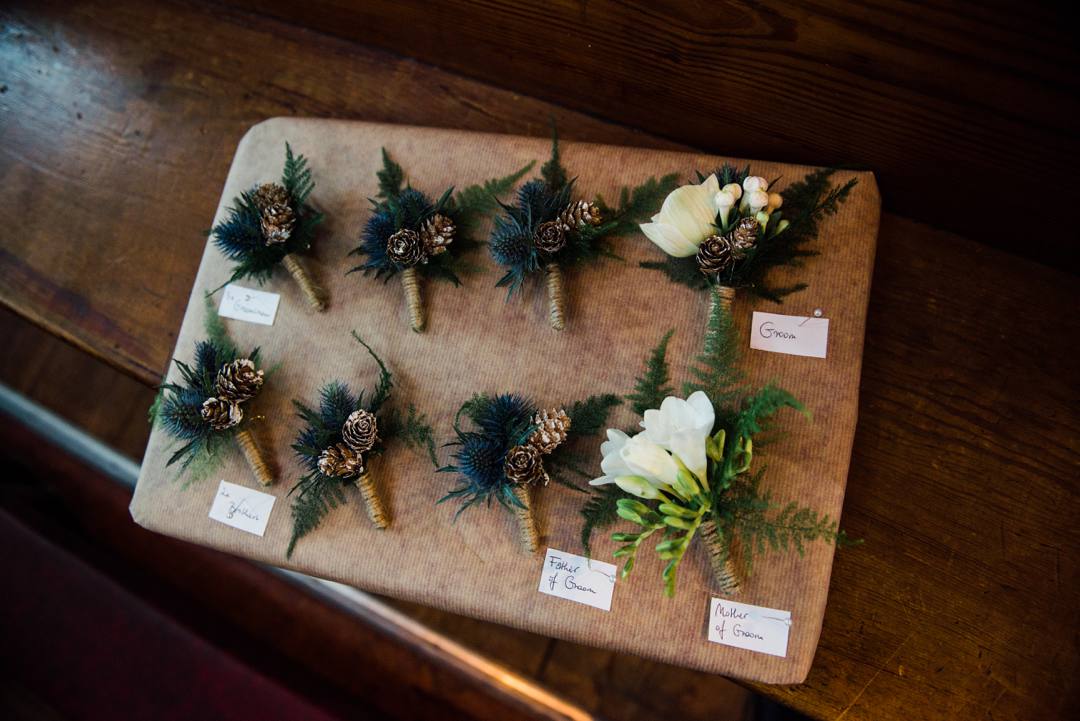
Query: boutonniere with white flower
{"points": [[515, 446], [548, 229], [339, 442], [730, 228], [411, 235], [688, 472]]}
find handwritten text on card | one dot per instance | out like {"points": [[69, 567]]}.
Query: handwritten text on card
{"points": [[254, 306], [754, 628], [577, 578], [791, 334], [241, 507]]}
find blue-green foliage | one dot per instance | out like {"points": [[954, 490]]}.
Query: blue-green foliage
{"points": [[240, 235], [397, 207]]}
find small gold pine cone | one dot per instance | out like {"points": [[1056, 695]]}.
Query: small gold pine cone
{"points": [[340, 461], [714, 254], [525, 465], [550, 237], [269, 194], [744, 236], [221, 414], [361, 431], [238, 381], [405, 248], [578, 215], [552, 425], [436, 233], [277, 222]]}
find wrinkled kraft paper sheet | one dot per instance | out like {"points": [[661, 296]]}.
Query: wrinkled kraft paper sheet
{"points": [[477, 341]]}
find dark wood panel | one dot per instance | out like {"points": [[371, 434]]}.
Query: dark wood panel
{"points": [[958, 107], [963, 600]]}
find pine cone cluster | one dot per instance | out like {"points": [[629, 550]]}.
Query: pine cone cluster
{"points": [[436, 233], [361, 431], [276, 215], [552, 425], [340, 461], [524, 464], [406, 248], [359, 435], [550, 237], [718, 252], [221, 414], [238, 381], [578, 215]]}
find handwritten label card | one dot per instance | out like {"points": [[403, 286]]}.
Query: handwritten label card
{"points": [[754, 628], [254, 306], [577, 578], [791, 334], [241, 507]]}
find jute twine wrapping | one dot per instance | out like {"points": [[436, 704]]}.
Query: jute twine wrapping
{"points": [[372, 502], [529, 535], [410, 281], [723, 296], [254, 457], [721, 559], [556, 297], [312, 292]]}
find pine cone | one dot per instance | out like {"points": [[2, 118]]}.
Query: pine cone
{"points": [[552, 426], [340, 461], [744, 236], [577, 215], [277, 223], [714, 254], [361, 431], [221, 414], [524, 465], [270, 194], [550, 237], [238, 381], [436, 233], [405, 248]]}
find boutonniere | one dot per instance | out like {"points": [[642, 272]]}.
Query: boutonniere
{"points": [[269, 225], [340, 441], [728, 230], [409, 234], [548, 229], [689, 472], [207, 408], [514, 446]]}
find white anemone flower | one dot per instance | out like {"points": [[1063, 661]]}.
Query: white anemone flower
{"points": [[685, 219]]}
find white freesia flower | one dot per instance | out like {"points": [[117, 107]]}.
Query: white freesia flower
{"points": [[685, 219], [757, 199], [725, 201], [734, 188], [636, 465], [681, 426], [755, 182]]}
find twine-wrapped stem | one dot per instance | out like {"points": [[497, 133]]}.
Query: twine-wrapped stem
{"points": [[556, 296], [723, 296], [375, 510], [527, 532], [254, 457], [311, 291], [410, 281], [721, 559]]}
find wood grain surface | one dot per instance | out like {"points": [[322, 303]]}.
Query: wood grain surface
{"points": [[117, 124]]}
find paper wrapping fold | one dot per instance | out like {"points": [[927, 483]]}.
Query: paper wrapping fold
{"points": [[476, 340]]}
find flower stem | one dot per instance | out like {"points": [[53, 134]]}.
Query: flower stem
{"points": [[411, 283]]}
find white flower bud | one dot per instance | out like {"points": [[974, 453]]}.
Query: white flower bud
{"points": [[757, 199], [734, 188], [725, 199], [775, 201], [755, 182]]}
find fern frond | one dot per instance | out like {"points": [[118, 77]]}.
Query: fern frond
{"points": [[651, 388], [296, 177], [553, 172], [600, 511], [479, 200], [716, 371], [589, 417], [386, 380], [318, 496], [390, 177]]}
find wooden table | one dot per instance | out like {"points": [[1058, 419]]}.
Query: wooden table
{"points": [[117, 125]]}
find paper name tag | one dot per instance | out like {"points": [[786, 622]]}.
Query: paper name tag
{"points": [[241, 507], [791, 334], [754, 628], [254, 306], [577, 578]]}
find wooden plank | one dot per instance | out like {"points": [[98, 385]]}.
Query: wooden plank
{"points": [[953, 105], [964, 475]]}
